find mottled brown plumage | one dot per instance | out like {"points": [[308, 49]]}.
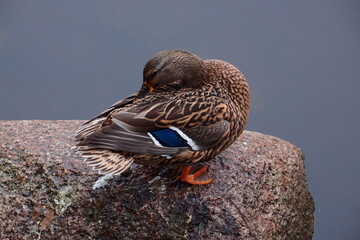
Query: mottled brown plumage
{"points": [[187, 111]]}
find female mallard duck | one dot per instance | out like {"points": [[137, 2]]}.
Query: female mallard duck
{"points": [[187, 111]]}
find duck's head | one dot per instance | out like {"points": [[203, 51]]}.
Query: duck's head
{"points": [[171, 66]]}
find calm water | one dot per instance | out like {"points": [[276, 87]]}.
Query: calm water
{"points": [[71, 59]]}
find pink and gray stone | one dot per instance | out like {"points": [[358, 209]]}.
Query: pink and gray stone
{"points": [[259, 191]]}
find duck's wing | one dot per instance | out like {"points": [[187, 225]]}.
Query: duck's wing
{"points": [[163, 126], [93, 124]]}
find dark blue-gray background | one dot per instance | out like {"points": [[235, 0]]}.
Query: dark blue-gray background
{"points": [[71, 59]]}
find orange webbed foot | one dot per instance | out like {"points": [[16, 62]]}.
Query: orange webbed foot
{"points": [[191, 178]]}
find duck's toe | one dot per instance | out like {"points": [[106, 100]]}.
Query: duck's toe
{"points": [[199, 177]]}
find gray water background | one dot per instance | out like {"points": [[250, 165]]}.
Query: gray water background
{"points": [[71, 59]]}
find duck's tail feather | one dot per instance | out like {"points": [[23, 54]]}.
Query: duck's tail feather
{"points": [[88, 128], [105, 161]]}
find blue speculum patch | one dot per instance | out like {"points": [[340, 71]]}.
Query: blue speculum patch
{"points": [[169, 138]]}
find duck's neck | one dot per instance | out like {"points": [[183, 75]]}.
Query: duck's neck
{"points": [[229, 78]]}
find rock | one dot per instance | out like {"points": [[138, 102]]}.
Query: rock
{"points": [[259, 192]]}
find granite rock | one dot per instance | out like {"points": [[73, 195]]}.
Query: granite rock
{"points": [[259, 191]]}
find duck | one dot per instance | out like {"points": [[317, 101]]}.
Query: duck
{"points": [[187, 111]]}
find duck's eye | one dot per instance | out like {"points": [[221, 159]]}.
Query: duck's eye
{"points": [[154, 73]]}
